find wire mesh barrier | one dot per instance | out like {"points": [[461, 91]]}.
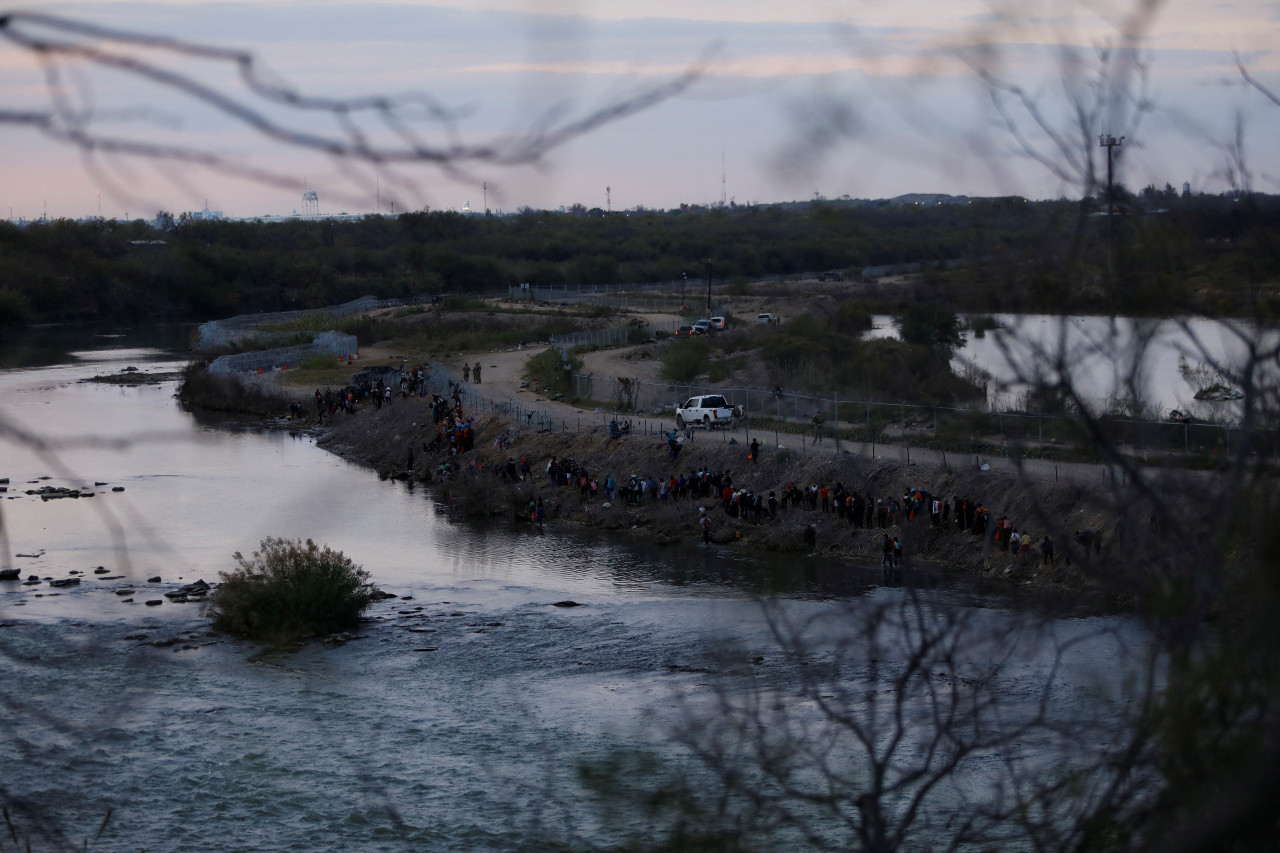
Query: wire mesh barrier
{"points": [[219, 333], [946, 429], [1036, 446], [612, 337], [334, 345], [663, 297]]}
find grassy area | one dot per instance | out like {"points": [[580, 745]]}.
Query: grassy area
{"points": [[469, 334]]}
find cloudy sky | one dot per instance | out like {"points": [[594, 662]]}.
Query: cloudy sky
{"points": [[785, 101]]}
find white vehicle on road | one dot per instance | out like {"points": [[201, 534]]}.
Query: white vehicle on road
{"points": [[709, 411]]}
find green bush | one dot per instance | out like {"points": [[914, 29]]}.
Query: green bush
{"points": [[547, 369], [931, 326], [15, 309], [201, 389], [290, 590], [722, 368], [686, 359]]}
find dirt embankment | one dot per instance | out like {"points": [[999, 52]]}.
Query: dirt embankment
{"points": [[391, 441]]}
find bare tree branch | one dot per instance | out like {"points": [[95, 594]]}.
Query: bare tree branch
{"points": [[55, 42]]}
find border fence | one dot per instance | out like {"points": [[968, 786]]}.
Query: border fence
{"points": [[219, 333], [661, 297], [528, 415], [335, 344], [955, 429]]}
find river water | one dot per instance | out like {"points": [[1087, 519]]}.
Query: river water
{"points": [[457, 718]]}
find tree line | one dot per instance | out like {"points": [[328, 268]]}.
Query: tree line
{"points": [[1173, 253]]}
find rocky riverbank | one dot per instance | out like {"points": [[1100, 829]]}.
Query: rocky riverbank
{"points": [[391, 440]]}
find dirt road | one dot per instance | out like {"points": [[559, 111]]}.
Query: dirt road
{"points": [[502, 374]]}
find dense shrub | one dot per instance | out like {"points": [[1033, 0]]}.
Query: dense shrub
{"points": [[931, 326], [15, 308], [201, 389], [290, 590], [686, 359], [547, 370]]}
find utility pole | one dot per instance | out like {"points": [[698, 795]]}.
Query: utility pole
{"points": [[1109, 142], [683, 283], [485, 185], [708, 287]]}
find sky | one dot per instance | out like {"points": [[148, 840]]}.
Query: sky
{"points": [[622, 104]]}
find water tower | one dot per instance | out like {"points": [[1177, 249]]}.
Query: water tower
{"points": [[310, 203]]}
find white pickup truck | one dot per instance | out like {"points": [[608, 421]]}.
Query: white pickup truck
{"points": [[709, 411]]}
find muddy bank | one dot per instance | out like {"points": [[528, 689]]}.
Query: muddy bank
{"points": [[391, 440]]}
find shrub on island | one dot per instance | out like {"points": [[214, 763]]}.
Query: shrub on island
{"points": [[290, 590]]}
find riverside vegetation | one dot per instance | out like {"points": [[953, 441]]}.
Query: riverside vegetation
{"points": [[1176, 254], [290, 590]]}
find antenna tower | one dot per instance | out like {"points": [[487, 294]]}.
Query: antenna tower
{"points": [[608, 200], [723, 197]]}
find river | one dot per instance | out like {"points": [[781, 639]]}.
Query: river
{"points": [[455, 721]]}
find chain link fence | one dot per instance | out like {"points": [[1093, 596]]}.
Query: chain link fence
{"points": [[942, 427], [664, 297]]}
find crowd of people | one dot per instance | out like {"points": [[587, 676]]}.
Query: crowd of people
{"points": [[454, 431], [377, 389], [455, 436], [843, 505]]}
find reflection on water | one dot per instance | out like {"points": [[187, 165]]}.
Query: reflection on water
{"points": [[40, 346]]}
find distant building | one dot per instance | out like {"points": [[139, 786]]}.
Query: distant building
{"points": [[1186, 188], [205, 215]]}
